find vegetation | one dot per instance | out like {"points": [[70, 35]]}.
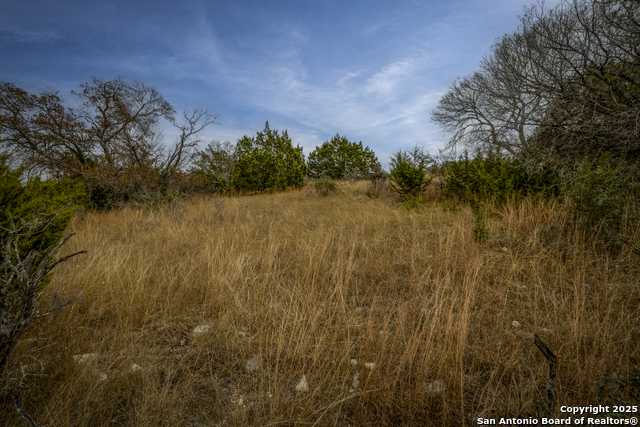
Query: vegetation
{"points": [[306, 285], [408, 174], [555, 96], [493, 177], [339, 158], [47, 206], [268, 161], [325, 186], [112, 144], [215, 164], [292, 309]]}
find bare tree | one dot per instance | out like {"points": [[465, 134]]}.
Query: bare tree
{"points": [[21, 305], [112, 143], [567, 83], [195, 120]]}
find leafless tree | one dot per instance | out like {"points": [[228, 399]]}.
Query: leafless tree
{"points": [[111, 143], [567, 83], [21, 304]]}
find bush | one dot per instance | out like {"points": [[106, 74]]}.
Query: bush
{"points": [[339, 158], [599, 192], [268, 161], [408, 172], [325, 186], [53, 202], [215, 165], [490, 176]]}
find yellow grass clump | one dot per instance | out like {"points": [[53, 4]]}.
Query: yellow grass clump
{"points": [[393, 316]]}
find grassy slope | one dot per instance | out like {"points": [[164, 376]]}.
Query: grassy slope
{"points": [[309, 283]]}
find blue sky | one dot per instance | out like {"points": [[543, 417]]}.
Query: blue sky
{"points": [[371, 70]]}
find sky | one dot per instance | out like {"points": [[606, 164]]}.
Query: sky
{"points": [[367, 69]]}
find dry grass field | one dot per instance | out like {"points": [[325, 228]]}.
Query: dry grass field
{"points": [[301, 285]]}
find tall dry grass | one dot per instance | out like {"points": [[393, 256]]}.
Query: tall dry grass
{"points": [[307, 284]]}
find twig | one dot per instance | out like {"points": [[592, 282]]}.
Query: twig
{"points": [[551, 372]]}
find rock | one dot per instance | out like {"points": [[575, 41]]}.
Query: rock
{"points": [[135, 368], [355, 384], [436, 387], [82, 358], [201, 329], [303, 386], [370, 365], [354, 362], [102, 377], [515, 324], [505, 249], [253, 363]]}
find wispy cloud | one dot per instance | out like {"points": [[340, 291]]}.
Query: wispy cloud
{"points": [[387, 79], [28, 36]]}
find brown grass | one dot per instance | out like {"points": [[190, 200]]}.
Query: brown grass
{"points": [[307, 284]]}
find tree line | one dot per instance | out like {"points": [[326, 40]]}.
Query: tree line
{"points": [[112, 144]]}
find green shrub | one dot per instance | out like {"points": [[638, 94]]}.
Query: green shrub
{"points": [[489, 176], [599, 192], [408, 172], [413, 202], [479, 231], [325, 186], [50, 204], [339, 158], [268, 161]]}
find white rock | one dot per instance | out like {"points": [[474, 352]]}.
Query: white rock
{"points": [[303, 385], [436, 387], [353, 362], [505, 249], [102, 377], [201, 329], [370, 365], [253, 363], [134, 368], [82, 358], [515, 324]]}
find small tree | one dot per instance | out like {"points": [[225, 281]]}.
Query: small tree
{"points": [[338, 158], [215, 164], [408, 172], [268, 161]]}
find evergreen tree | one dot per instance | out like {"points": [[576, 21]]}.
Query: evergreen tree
{"points": [[268, 161]]}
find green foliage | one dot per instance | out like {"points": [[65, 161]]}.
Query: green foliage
{"points": [[215, 164], [489, 176], [54, 200], [408, 172], [339, 158], [413, 202], [325, 186], [268, 161], [599, 192], [479, 231]]}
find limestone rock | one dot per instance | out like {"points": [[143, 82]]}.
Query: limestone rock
{"points": [[253, 363], [436, 387], [201, 329], [83, 358], [303, 386]]}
